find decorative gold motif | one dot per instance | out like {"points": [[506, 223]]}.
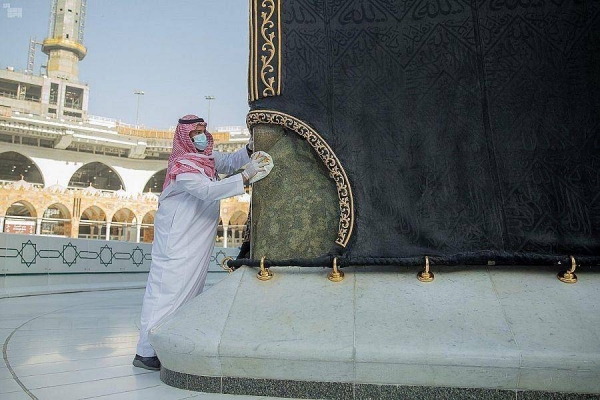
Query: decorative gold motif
{"points": [[268, 36], [264, 274], [425, 276], [569, 276], [336, 171], [224, 264], [335, 275], [265, 49]]}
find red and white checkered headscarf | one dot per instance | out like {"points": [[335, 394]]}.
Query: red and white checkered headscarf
{"points": [[184, 149]]}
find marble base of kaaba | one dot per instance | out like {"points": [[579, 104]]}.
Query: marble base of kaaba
{"points": [[476, 332]]}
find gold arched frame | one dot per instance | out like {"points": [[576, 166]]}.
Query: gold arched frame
{"points": [[332, 163]]}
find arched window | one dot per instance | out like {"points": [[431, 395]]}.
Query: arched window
{"points": [[92, 224], [123, 226], [155, 183], [20, 218], [238, 218], [147, 230], [56, 221], [14, 165], [235, 233], [100, 175]]}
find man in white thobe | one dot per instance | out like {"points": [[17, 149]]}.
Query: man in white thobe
{"points": [[186, 222]]}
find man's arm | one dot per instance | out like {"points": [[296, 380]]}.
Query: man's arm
{"points": [[228, 163], [200, 186]]}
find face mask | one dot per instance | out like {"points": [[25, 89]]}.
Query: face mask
{"points": [[201, 142]]}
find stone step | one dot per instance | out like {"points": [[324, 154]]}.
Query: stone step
{"points": [[487, 328]]}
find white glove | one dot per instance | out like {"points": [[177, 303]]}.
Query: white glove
{"points": [[260, 165], [253, 167], [266, 169]]}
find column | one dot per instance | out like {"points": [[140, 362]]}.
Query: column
{"points": [[224, 235], [107, 230], [1, 224], [73, 231], [138, 232], [38, 228]]}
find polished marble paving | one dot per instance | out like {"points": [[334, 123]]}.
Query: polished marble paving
{"points": [[78, 346]]}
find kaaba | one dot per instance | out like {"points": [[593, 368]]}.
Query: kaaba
{"points": [[461, 134], [467, 131]]}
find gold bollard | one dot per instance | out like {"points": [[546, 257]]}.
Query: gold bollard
{"points": [[568, 276], [264, 274], [335, 275], [224, 264], [425, 276]]}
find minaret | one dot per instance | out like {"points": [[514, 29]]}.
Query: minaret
{"points": [[64, 43]]}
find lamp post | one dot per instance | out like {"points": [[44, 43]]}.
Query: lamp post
{"points": [[209, 98], [139, 93]]}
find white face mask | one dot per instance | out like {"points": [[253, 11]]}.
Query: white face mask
{"points": [[201, 142]]}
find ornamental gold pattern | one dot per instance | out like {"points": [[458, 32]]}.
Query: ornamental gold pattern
{"points": [[336, 171], [264, 72]]}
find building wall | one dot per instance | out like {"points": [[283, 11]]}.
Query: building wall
{"points": [[57, 166], [38, 264], [112, 209]]}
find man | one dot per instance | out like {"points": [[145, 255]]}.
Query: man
{"points": [[186, 223]]}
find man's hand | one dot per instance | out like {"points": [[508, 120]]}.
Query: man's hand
{"points": [[254, 167]]}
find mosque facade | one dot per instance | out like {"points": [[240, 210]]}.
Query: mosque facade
{"points": [[64, 172]]}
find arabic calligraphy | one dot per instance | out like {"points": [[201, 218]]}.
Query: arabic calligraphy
{"points": [[435, 8], [365, 13], [299, 14]]}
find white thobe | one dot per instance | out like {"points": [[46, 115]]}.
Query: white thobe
{"points": [[185, 227]]}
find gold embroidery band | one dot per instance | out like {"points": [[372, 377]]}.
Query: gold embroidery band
{"points": [[336, 171], [264, 72]]}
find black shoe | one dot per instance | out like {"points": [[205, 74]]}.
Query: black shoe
{"points": [[151, 363]]}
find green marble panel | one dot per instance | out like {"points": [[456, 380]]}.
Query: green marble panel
{"points": [[295, 210]]}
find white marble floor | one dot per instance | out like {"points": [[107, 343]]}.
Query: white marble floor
{"points": [[78, 346]]}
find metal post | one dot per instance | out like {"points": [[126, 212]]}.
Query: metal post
{"points": [[209, 98], [139, 93]]}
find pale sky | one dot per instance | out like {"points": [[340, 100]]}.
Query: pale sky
{"points": [[176, 51]]}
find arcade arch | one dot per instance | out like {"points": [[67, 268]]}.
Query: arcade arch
{"points": [[92, 224], [238, 218], [14, 165], [99, 175], [147, 227], [156, 182], [123, 225], [56, 221], [237, 224], [20, 217]]}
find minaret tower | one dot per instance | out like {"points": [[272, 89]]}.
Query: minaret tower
{"points": [[64, 44]]}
